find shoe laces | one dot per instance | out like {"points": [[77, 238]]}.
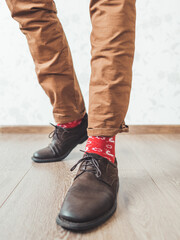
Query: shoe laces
{"points": [[88, 160], [56, 130]]}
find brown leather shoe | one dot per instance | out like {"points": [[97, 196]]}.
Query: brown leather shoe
{"points": [[63, 142], [92, 198]]}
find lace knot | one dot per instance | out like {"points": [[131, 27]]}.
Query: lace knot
{"points": [[56, 130], [88, 161]]}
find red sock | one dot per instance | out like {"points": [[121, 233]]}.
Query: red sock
{"points": [[104, 146], [70, 124]]}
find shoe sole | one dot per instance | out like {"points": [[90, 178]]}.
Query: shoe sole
{"points": [[84, 226], [41, 160]]}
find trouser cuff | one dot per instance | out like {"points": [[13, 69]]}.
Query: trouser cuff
{"points": [[68, 117], [109, 132]]}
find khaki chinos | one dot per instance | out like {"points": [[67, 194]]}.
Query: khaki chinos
{"points": [[112, 42]]}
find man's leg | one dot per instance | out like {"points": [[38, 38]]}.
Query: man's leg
{"points": [[51, 54], [112, 40], [54, 67], [92, 199]]}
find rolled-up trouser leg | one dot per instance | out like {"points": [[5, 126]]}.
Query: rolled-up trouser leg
{"points": [[51, 54], [112, 41]]}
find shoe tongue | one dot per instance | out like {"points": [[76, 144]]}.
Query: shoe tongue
{"points": [[97, 156]]}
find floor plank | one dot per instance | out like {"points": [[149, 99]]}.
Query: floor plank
{"points": [[15, 160], [162, 164], [148, 200], [9, 180]]}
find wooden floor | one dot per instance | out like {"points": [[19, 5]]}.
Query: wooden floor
{"points": [[148, 201]]}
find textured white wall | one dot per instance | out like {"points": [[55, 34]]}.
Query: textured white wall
{"points": [[155, 96]]}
